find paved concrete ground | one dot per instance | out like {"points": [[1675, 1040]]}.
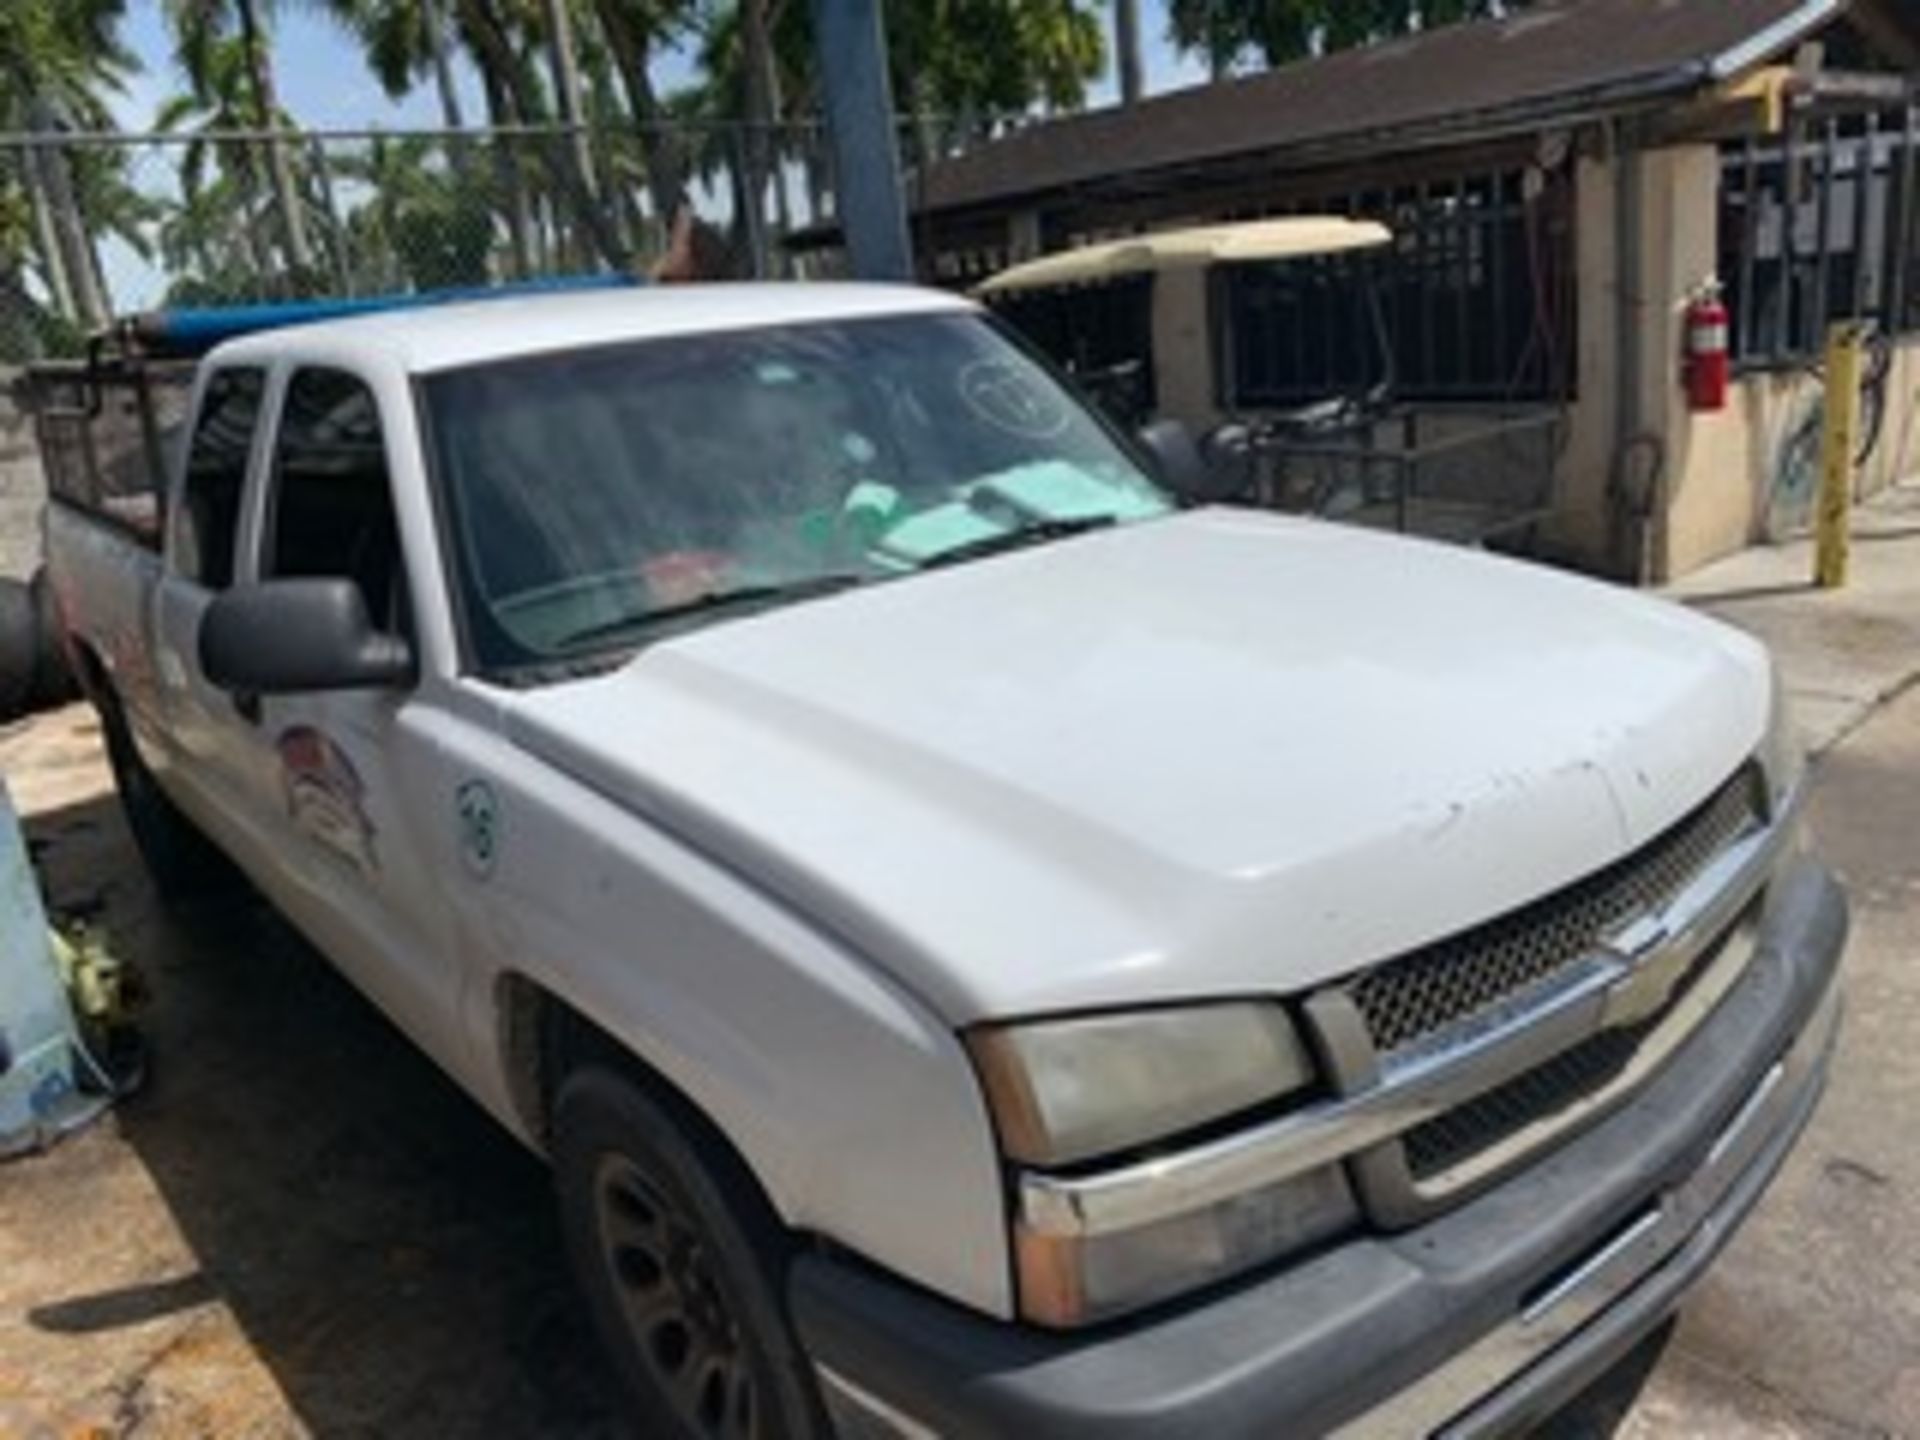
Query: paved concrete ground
{"points": [[1810, 1323], [1841, 652], [302, 1228]]}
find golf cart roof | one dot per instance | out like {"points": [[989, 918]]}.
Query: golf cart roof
{"points": [[1292, 238]]}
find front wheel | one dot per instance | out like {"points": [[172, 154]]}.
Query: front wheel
{"points": [[683, 1269]]}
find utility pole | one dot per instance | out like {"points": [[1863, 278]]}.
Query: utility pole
{"points": [[1126, 40], [866, 148]]}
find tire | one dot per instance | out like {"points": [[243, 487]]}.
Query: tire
{"points": [[683, 1267], [53, 680], [17, 649], [184, 864]]}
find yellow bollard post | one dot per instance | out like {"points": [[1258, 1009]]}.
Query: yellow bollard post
{"points": [[1838, 446]]}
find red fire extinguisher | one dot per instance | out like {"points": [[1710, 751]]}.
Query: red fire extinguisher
{"points": [[1708, 363]]}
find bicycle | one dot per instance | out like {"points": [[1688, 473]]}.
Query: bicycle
{"points": [[1796, 476]]}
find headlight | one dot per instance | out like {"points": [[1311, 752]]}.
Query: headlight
{"points": [[1069, 1279], [1069, 1090], [1064, 1093], [1784, 754]]}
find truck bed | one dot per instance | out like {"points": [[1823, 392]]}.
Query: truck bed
{"points": [[105, 428]]}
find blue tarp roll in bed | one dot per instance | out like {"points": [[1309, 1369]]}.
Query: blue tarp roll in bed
{"points": [[197, 330]]}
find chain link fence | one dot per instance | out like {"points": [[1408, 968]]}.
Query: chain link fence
{"points": [[94, 226]]}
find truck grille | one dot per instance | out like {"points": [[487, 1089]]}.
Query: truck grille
{"points": [[1506, 1110], [1404, 1001]]}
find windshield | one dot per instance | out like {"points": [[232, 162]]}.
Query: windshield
{"points": [[597, 498]]}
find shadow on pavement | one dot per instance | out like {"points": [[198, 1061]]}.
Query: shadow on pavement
{"points": [[389, 1252]]}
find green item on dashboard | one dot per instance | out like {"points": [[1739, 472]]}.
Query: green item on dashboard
{"points": [[857, 523], [1055, 490], [918, 538]]}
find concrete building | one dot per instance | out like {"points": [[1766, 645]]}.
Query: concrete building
{"points": [[1560, 183]]}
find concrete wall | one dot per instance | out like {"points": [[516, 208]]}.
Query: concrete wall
{"points": [[1700, 514], [22, 487], [1721, 468], [1707, 479], [1581, 528], [1732, 461], [1183, 348]]}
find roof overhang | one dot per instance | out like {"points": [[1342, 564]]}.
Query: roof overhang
{"points": [[1712, 44]]}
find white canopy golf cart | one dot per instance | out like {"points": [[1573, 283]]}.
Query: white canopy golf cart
{"points": [[1152, 328]]}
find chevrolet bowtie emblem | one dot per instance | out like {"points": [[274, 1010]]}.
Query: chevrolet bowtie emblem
{"points": [[1654, 969]]}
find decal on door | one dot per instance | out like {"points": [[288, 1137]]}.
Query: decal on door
{"points": [[326, 799], [479, 827]]}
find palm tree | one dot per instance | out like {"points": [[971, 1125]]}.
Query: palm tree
{"points": [[219, 101], [198, 239], [632, 30], [496, 34], [1282, 30], [421, 223], [56, 57], [997, 58], [564, 57], [19, 315], [759, 154], [406, 41], [199, 27]]}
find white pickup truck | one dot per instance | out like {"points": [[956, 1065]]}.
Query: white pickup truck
{"points": [[989, 945]]}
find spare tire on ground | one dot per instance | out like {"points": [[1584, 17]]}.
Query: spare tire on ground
{"points": [[19, 648], [53, 682]]}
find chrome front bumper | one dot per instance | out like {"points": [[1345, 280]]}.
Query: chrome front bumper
{"points": [[1481, 1320], [1636, 1273]]}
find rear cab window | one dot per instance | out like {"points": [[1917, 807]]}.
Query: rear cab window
{"points": [[208, 526]]}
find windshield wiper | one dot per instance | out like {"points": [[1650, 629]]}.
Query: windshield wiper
{"points": [[1034, 532], [713, 600]]}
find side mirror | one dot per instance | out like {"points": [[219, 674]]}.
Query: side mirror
{"points": [[1182, 468], [286, 637]]}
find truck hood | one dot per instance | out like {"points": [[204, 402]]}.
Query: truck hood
{"points": [[1220, 753]]}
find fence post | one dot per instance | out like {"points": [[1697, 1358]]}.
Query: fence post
{"points": [[1839, 445]]}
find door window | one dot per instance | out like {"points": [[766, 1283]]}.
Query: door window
{"points": [[331, 507], [217, 476]]}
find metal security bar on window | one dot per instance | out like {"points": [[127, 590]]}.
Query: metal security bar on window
{"points": [[1101, 334], [1475, 295], [1817, 227]]}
